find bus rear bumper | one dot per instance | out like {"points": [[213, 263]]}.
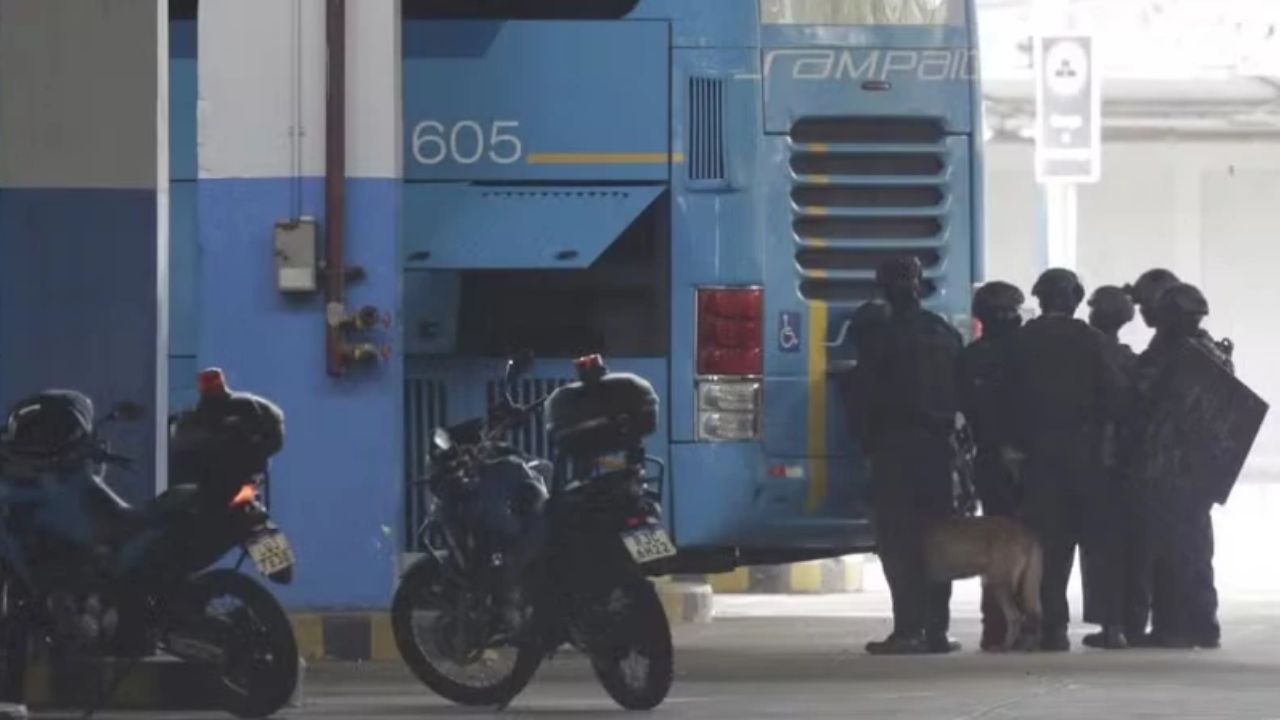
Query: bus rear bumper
{"points": [[734, 495]]}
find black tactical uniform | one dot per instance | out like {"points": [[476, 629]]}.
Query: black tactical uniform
{"points": [[866, 327], [982, 374], [1149, 582], [910, 425], [1177, 510], [1061, 390], [1105, 557]]}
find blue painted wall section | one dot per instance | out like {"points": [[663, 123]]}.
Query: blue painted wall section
{"points": [[336, 486], [77, 305]]}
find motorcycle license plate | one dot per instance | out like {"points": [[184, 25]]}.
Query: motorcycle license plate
{"points": [[648, 544], [271, 553]]}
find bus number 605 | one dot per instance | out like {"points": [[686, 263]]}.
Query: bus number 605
{"points": [[466, 142]]}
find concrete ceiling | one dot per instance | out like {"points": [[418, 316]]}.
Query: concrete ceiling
{"points": [[1202, 66]]}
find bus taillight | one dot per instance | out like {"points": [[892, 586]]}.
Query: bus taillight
{"points": [[730, 362], [730, 336]]}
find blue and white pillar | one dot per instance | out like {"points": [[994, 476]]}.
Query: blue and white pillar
{"points": [[337, 485]]}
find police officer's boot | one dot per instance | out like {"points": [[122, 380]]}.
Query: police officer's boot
{"points": [[1055, 640], [900, 644], [1111, 637], [941, 644]]}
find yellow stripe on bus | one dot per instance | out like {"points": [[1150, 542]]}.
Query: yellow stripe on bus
{"points": [[817, 425], [585, 158]]}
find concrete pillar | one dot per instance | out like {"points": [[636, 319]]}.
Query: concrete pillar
{"points": [[83, 210], [337, 486]]}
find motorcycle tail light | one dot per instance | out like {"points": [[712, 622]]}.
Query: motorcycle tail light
{"points": [[247, 494]]}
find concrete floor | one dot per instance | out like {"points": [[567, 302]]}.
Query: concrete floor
{"points": [[771, 657]]}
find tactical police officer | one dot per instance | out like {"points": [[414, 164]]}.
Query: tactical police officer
{"points": [[866, 327], [1146, 290], [1149, 579], [911, 421], [1105, 557], [983, 372], [1178, 508], [1061, 392]]}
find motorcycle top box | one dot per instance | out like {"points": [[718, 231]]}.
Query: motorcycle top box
{"points": [[602, 412]]}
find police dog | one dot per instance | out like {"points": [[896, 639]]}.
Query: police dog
{"points": [[1005, 554]]}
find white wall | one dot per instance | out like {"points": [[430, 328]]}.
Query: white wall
{"points": [[262, 84], [1209, 211]]}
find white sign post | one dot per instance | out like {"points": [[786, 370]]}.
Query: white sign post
{"points": [[1068, 136]]}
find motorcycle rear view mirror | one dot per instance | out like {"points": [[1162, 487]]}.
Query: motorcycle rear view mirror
{"points": [[518, 365]]}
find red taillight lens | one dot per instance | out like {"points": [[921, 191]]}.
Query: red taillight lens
{"points": [[729, 331]]}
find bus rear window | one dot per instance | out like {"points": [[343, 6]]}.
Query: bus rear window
{"points": [[862, 12]]}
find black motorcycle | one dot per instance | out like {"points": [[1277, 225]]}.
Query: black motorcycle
{"points": [[514, 570], [94, 578]]}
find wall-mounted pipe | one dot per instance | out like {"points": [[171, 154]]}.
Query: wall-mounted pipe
{"points": [[335, 171]]}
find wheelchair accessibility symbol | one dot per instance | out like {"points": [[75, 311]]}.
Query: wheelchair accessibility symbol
{"points": [[789, 332]]}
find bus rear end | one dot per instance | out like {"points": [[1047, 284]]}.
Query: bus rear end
{"points": [[860, 138]]}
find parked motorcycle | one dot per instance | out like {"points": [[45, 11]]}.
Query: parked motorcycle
{"points": [[95, 578], [515, 569]]}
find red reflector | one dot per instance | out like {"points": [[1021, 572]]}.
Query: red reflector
{"points": [[778, 471], [730, 331]]}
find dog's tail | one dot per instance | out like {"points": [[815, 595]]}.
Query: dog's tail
{"points": [[1029, 583]]}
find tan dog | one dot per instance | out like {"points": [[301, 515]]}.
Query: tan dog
{"points": [[1005, 554]]}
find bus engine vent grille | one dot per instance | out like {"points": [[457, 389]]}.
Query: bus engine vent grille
{"points": [[706, 161], [426, 406], [864, 190]]}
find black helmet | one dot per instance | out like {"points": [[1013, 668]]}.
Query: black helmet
{"points": [[1181, 305], [1112, 308], [996, 301], [1150, 284], [901, 270], [1059, 290]]}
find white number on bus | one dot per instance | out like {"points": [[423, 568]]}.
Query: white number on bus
{"points": [[466, 143]]}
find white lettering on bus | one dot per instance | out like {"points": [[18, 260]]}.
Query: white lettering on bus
{"points": [[881, 65]]}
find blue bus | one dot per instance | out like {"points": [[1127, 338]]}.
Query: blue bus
{"points": [[701, 190]]}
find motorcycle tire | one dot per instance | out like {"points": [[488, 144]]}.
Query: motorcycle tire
{"points": [[424, 579], [266, 689], [645, 631]]}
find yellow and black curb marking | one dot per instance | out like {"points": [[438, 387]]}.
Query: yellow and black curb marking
{"points": [[814, 577]]}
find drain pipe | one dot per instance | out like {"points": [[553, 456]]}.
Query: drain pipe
{"points": [[335, 200]]}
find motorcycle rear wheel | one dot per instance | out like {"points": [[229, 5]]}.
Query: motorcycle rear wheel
{"points": [[642, 635], [423, 587], [259, 672]]}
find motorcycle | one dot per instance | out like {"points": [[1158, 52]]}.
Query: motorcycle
{"points": [[524, 555], [96, 579]]}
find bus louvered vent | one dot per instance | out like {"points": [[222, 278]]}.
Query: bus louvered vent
{"points": [[706, 159], [532, 436], [426, 407], [864, 190]]}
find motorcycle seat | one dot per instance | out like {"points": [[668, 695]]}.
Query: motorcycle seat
{"points": [[125, 519]]}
